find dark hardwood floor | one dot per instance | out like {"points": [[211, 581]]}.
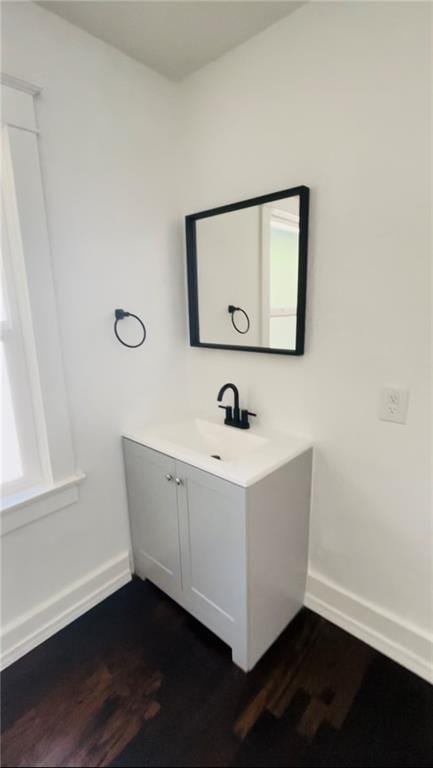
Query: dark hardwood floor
{"points": [[138, 682]]}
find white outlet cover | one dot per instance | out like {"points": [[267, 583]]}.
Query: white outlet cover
{"points": [[394, 403]]}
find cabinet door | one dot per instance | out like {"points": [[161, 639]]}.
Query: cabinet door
{"points": [[150, 479], [212, 528]]}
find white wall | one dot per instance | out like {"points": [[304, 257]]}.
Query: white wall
{"points": [[109, 166], [228, 272], [337, 97]]}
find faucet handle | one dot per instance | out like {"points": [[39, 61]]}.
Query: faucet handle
{"points": [[244, 418], [229, 412]]}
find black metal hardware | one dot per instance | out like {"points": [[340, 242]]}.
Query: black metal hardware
{"points": [[119, 314], [234, 416], [229, 412], [244, 418], [231, 310]]}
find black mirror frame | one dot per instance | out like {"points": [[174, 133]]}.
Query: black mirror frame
{"points": [[191, 256]]}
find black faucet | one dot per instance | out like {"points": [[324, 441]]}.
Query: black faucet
{"points": [[234, 416]]}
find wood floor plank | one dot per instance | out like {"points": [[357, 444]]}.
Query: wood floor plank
{"points": [[138, 682], [88, 719], [280, 677]]}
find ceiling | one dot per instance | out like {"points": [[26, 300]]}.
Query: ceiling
{"points": [[173, 37]]}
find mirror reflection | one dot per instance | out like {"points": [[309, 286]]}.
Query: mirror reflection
{"points": [[248, 265]]}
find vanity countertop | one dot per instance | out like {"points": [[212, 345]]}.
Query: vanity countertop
{"points": [[246, 456]]}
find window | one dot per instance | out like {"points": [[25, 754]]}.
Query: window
{"points": [[280, 273], [283, 279], [38, 473], [20, 461]]}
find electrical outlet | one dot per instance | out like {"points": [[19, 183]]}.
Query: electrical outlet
{"points": [[394, 404]]}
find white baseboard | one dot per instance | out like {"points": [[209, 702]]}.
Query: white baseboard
{"points": [[31, 629], [402, 642]]}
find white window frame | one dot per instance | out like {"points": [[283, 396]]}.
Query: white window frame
{"points": [[25, 405], [284, 220], [26, 222]]}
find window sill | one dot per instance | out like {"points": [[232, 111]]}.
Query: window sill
{"points": [[28, 506]]}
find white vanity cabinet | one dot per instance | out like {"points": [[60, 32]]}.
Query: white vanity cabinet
{"points": [[153, 511], [235, 557]]}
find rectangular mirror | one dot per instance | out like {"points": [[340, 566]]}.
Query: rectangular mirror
{"points": [[247, 274]]}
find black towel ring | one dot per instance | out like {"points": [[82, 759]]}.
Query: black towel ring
{"points": [[232, 310], [119, 314]]}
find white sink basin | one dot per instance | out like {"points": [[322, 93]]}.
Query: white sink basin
{"points": [[211, 439], [245, 456]]}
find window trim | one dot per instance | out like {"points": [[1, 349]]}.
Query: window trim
{"points": [[16, 281], [26, 221], [284, 220], [26, 507]]}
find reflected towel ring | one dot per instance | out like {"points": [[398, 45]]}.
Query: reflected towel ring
{"points": [[232, 310], [119, 314]]}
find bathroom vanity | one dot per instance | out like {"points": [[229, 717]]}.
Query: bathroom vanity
{"points": [[219, 521]]}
